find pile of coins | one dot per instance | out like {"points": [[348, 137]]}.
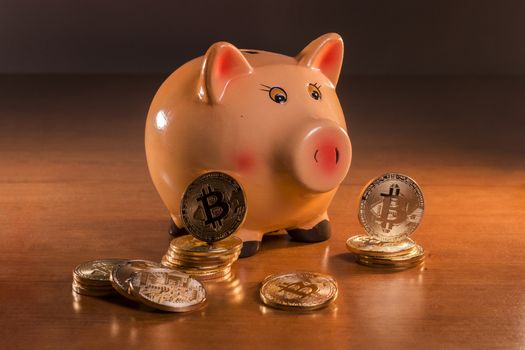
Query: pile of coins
{"points": [[298, 291], [212, 208], [201, 260], [390, 209], [93, 277], [141, 281]]}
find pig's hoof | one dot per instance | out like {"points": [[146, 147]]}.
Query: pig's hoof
{"points": [[318, 233], [175, 231], [249, 248]]}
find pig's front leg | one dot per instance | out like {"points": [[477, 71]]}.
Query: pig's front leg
{"points": [[316, 230], [251, 241], [176, 229]]}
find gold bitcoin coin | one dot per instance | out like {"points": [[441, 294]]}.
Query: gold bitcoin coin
{"points": [[196, 247], [411, 258], [298, 290], [391, 207], [96, 272], [122, 275], [213, 207], [168, 290], [394, 267], [415, 254], [368, 245], [90, 291]]}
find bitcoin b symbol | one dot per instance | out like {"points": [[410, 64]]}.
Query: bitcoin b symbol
{"points": [[299, 289], [100, 269], [215, 208], [393, 209]]}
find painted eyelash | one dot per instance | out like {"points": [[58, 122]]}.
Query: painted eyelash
{"points": [[317, 85], [268, 88]]}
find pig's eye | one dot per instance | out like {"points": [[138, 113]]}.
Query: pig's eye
{"points": [[315, 91], [277, 94]]}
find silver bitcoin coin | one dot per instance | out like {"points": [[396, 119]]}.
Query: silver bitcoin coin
{"points": [[391, 207], [168, 290], [213, 207]]}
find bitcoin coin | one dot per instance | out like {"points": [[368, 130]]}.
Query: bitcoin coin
{"points": [[411, 258], [368, 245], [93, 277], [96, 272], [415, 254], [190, 245], [123, 273], [213, 207], [167, 290], [298, 290], [391, 207], [395, 267], [92, 292]]}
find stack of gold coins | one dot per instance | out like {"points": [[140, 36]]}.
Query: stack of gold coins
{"points": [[93, 277], [372, 252], [201, 260], [212, 209], [390, 209]]}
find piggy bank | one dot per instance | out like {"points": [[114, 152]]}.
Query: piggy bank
{"points": [[273, 122]]}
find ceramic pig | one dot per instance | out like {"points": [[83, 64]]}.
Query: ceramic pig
{"points": [[271, 121]]}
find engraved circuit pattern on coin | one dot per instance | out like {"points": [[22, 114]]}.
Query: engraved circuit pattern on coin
{"points": [[391, 207], [122, 275], [213, 207], [168, 290], [298, 290]]}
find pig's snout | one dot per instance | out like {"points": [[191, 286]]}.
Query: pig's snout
{"points": [[321, 155]]}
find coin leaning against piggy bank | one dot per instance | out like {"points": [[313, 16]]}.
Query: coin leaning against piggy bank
{"points": [[213, 207]]}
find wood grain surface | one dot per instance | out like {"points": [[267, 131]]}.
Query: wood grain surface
{"points": [[74, 186]]}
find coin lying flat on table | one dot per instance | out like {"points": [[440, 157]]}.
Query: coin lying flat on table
{"points": [[298, 290], [167, 290], [213, 207], [93, 277], [391, 207]]}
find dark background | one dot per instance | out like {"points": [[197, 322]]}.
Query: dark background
{"points": [[382, 37]]}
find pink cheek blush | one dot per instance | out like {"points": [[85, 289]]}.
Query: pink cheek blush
{"points": [[244, 162]]}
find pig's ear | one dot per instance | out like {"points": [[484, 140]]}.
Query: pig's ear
{"points": [[325, 54], [223, 62]]}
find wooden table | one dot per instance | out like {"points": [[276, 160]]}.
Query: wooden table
{"points": [[74, 186]]}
